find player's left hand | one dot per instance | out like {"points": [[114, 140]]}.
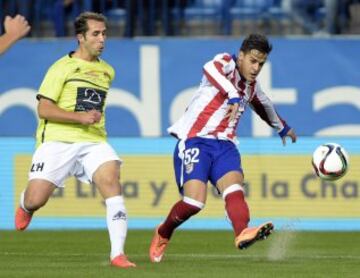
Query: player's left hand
{"points": [[291, 134]]}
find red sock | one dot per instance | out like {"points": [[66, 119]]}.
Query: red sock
{"points": [[237, 210], [179, 213]]}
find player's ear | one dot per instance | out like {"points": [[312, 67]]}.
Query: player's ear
{"points": [[241, 56], [80, 37]]}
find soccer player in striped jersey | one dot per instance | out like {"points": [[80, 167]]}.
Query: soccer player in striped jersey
{"points": [[71, 136], [206, 148]]}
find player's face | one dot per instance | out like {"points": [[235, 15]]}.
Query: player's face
{"points": [[94, 39], [251, 63]]}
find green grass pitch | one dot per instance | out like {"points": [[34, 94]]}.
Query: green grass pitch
{"points": [[190, 254]]}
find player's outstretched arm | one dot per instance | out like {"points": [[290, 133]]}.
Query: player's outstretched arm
{"points": [[15, 28], [291, 133]]}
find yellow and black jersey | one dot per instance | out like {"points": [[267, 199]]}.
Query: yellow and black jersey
{"points": [[76, 85]]}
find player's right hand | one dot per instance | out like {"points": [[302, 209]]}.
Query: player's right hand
{"points": [[232, 110], [90, 117], [16, 27]]}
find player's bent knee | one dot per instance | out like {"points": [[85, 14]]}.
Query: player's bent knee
{"points": [[34, 203], [37, 194], [106, 179], [112, 181]]}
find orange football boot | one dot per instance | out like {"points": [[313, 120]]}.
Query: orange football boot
{"points": [[250, 235], [157, 247], [22, 219], [122, 262]]}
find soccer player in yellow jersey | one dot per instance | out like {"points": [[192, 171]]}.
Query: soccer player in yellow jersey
{"points": [[71, 136]]}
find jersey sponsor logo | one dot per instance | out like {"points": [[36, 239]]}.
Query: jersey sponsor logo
{"points": [[90, 98], [37, 167]]}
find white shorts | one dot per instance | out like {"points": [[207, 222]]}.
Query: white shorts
{"points": [[56, 161]]}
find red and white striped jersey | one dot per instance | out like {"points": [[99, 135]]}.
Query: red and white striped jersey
{"points": [[206, 114]]}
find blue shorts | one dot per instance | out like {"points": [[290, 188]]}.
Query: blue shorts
{"points": [[204, 159]]}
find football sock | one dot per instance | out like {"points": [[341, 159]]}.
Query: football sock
{"points": [[116, 219], [236, 207], [22, 205], [179, 213]]}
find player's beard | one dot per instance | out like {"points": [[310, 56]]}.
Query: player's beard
{"points": [[99, 51], [96, 52]]}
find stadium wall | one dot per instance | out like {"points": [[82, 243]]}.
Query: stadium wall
{"points": [[315, 84]]}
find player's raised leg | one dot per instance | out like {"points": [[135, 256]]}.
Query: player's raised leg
{"points": [[32, 198], [193, 201], [238, 211], [106, 179]]}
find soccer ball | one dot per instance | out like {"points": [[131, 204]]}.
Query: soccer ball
{"points": [[330, 161]]}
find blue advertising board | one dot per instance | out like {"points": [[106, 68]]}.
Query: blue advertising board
{"points": [[314, 83]]}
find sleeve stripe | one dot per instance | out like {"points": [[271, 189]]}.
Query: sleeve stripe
{"points": [[214, 82], [39, 96], [219, 66]]}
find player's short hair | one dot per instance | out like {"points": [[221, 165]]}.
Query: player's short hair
{"points": [[256, 41], [80, 23]]}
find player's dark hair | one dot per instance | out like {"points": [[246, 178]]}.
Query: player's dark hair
{"points": [[80, 23], [256, 41]]}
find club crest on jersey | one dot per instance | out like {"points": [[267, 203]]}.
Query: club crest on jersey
{"points": [[241, 105], [189, 168]]}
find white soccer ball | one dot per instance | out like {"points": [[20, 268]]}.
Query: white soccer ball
{"points": [[330, 161]]}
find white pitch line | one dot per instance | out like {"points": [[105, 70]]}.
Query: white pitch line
{"points": [[189, 255], [236, 256]]}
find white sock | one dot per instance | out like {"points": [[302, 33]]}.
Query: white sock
{"points": [[232, 188], [116, 219], [22, 197]]}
